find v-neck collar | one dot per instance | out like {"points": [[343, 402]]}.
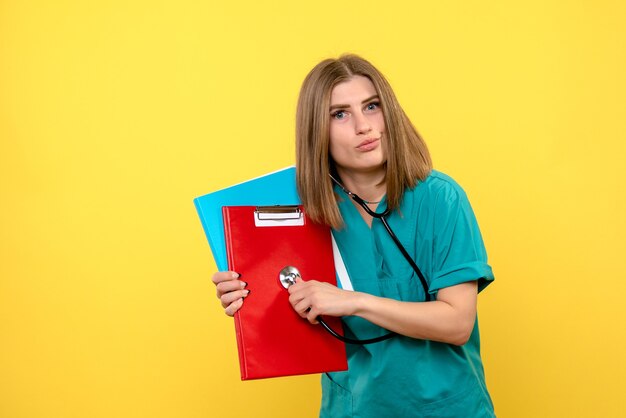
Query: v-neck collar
{"points": [[353, 212]]}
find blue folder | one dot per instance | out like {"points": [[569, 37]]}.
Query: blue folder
{"points": [[277, 188]]}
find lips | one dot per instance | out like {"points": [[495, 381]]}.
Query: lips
{"points": [[368, 144]]}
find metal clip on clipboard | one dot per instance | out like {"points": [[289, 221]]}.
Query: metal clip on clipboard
{"points": [[278, 215]]}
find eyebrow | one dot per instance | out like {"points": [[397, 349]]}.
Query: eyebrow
{"points": [[343, 106]]}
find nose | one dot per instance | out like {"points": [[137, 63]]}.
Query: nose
{"points": [[362, 124]]}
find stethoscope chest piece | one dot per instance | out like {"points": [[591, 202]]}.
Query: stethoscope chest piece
{"points": [[288, 276]]}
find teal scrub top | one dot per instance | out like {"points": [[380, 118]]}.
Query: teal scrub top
{"points": [[402, 376]]}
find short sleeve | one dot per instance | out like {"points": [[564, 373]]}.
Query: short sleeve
{"points": [[459, 253]]}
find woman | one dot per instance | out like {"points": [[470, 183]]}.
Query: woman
{"points": [[353, 137]]}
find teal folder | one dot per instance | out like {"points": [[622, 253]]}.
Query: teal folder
{"points": [[276, 188]]}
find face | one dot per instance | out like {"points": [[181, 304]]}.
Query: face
{"points": [[356, 127]]}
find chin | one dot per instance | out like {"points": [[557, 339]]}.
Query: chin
{"points": [[370, 164], [369, 168]]}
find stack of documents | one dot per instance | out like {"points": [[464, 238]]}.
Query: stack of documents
{"points": [[272, 339], [274, 188]]}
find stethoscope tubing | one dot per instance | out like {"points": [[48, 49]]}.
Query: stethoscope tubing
{"points": [[349, 340], [409, 259]]}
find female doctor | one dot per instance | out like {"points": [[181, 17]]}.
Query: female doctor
{"points": [[354, 138]]}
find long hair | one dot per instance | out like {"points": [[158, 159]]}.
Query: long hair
{"points": [[408, 159]]}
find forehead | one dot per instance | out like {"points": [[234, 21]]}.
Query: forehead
{"points": [[354, 90]]}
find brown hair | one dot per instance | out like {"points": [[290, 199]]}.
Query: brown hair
{"points": [[408, 160]]}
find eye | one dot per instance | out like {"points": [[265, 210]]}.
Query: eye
{"points": [[373, 106], [338, 114]]}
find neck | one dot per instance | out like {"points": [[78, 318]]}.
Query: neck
{"points": [[370, 186]]}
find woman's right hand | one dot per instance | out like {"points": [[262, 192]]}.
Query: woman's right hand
{"points": [[230, 290]]}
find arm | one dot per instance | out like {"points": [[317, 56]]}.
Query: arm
{"points": [[449, 319], [458, 261]]}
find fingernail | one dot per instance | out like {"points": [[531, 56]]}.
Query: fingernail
{"points": [[243, 284], [246, 293], [236, 275]]}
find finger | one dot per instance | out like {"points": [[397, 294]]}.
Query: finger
{"points": [[301, 288], [311, 316], [234, 307], [298, 284], [294, 287], [222, 276], [231, 297], [302, 308], [294, 299], [229, 286]]}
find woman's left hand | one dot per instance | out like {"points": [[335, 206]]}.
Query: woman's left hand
{"points": [[312, 298]]}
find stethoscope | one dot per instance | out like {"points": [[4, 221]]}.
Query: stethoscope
{"points": [[289, 274]]}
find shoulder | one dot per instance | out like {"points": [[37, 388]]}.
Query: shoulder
{"points": [[438, 186], [436, 199]]}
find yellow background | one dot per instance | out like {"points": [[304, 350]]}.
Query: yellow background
{"points": [[114, 115]]}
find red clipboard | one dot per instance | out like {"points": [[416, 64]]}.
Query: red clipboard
{"points": [[272, 339]]}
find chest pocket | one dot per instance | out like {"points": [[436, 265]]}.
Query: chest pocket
{"points": [[395, 276], [405, 289]]}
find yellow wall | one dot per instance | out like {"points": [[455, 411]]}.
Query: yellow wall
{"points": [[114, 115]]}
